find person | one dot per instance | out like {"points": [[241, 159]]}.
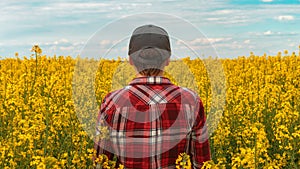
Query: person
{"points": [[151, 121]]}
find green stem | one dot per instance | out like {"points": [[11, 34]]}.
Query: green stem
{"points": [[255, 151]]}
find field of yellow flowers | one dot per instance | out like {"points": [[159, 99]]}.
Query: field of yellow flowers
{"points": [[40, 128]]}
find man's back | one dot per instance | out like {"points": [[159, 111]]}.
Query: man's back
{"points": [[152, 121]]}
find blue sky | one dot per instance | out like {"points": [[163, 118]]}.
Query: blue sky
{"points": [[233, 27]]}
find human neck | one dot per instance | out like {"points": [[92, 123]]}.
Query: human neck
{"points": [[139, 75]]}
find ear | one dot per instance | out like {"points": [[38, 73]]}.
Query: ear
{"points": [[167, 62], [130, 61]]}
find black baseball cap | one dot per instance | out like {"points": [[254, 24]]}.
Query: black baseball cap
{"points": [[149, 47]]}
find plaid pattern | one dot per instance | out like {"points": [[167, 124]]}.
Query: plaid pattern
{"points": [[150, 122]]}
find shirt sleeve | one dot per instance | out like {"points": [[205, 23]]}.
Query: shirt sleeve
{"points": [[101, 139], [199, 150]]}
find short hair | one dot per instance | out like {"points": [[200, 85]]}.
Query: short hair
{"points": [[151, 72]]}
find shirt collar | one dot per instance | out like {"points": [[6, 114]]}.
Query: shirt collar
{"points": [[150, 80]]}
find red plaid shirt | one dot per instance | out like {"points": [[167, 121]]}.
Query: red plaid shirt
{"points": [[150, 122]]}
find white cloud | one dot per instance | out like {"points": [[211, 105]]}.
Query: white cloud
{"points": [[58, 42], [72, 22], [140, 4], [247, 41], [64, 40], [82, 5], [105, 42], [207, 16], [233, 45], [217, 40], [206, 41], [20, 43], [78, 43], [199, 41], [92, 7], [272, 33], [292, 45], [213, 19], [62, 46], [285, 18], [68, 48], [251, 47], [205, 45], [229, 18], [268, 32], [225, 11], [253, 15]]}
